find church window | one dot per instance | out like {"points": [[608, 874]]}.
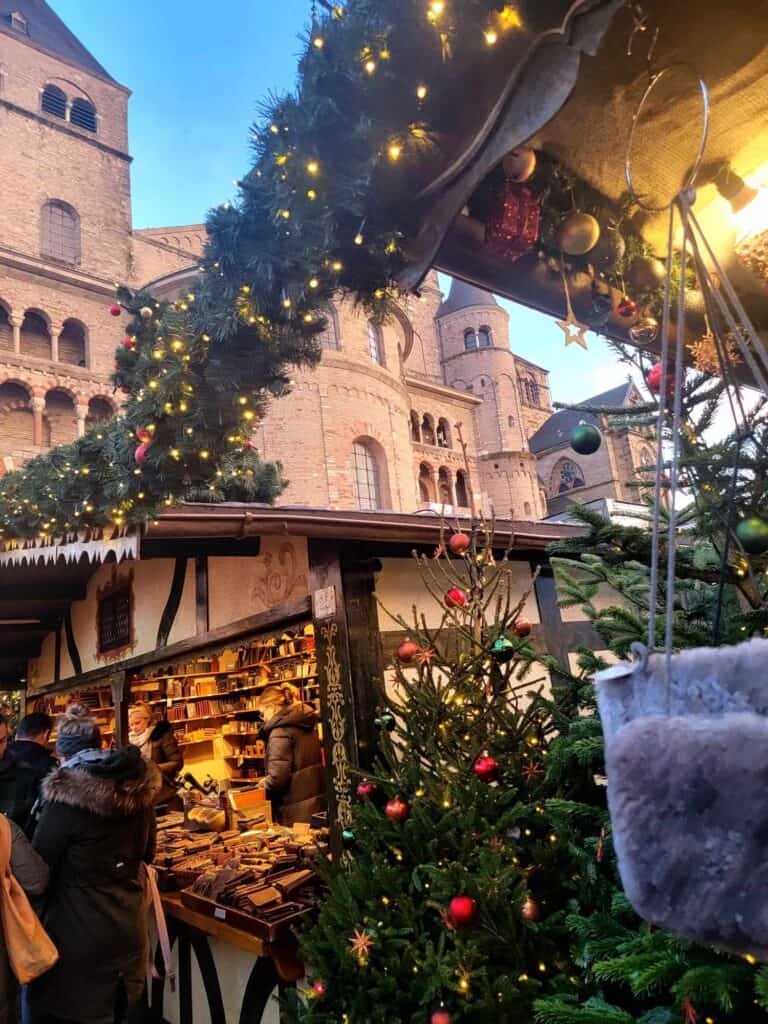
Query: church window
{"points": [[415, 430], [527, 508], [83, 114], [510, 421], [567, 477], [6, 330], [443, 434], [367, 478], [484, 337], [60, 232], [19, 22], [375, 343], [330, 338], [530, 391], [462, 492], [55, 101], [470, 340], [444, 486], [427, 491], [428, 430]]}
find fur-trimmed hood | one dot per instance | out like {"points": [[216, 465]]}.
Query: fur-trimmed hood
{"points": [[161, 729], [116, 785]]}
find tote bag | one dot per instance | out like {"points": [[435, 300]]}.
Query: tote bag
{"points": [[30, 949]]}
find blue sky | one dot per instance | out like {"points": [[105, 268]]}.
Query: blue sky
{"points": [[197, 71]]}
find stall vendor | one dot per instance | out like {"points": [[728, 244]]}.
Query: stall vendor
{"points": [[295, 780], [157, 743]]}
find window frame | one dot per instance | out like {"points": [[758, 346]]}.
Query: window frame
{"points": [[67, 251], [376, 344], [80, 103], [471, 343], [56, 94], [114, 611], [484, 332], [369, 474]]}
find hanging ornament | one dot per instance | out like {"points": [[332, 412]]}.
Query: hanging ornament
{"points": [[458, 543], [627, 308], [512, 228], [601, 305], [140, 455], [753, 535], [645, 331], [522, 628], [144, 435], [609, 251], [520, 164], [347, 838], [146, 313], [318, 987], [440, 1017], [129, 342], [462, 911], [705, 357], [586, 439], [653, 380], [115, 310], [577, 234], [530, 910], [646, 274], [398, 810], [360, 944], [502, 650], [407, 651], [694, 304], [385, 721], [455, 598], [367, 789], [572, 329], [486, 768]]}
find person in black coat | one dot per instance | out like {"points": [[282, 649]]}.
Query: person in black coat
{"points": [[96, 832], [157, 742], [294, 775], [32, 761]]}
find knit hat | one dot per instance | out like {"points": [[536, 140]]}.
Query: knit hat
{"points": [[77, 731]]}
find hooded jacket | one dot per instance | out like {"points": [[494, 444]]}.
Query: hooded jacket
{"points": [[32, 762], [96, 832], [295, 779]]}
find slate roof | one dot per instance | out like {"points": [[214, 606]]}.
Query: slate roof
{"points": [[559, 427], [46, 30], [463, 295]]}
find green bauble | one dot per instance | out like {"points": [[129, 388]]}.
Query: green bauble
{"points": [[586, 439], [503, 650], [753, 535]]}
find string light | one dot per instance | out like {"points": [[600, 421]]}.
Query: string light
{"points": [[491, 37], [318, 42], [359, 239], [370, 66], [311, 194], [314, 283], [421, 92], [313, 167], [394, 151], [337, 266]]}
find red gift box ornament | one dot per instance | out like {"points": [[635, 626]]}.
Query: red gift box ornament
{"points": [[512, 228]]}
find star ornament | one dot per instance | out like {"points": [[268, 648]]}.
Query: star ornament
{"points": [[425, 657], [360, 944], [573, 330]]}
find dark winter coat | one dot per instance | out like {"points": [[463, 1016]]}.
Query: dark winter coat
{"points": [[32, 762], [167, 755], [295, 780], [96, 832], [31, 873]]}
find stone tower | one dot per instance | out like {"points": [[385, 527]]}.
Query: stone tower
{"points": [[476, 357]]}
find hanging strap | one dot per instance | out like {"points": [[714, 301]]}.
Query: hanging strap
{"points": [[162, 928]]}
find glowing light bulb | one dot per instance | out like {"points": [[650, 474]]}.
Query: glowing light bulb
{"points": [[311, 194], [491, 37], [313, 167], [337, 266], [359, 239], [394, 151], [421, 92], [314, 283], [318, 42], [370, 66]]}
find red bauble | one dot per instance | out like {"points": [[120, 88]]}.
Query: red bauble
{"points": [[319, 989], [143, 435], [440, 1017], [141, 453], [129, 342], [367, 789], [512, 228], [522, 628], [486, 768], [462, 910], [653, 380], [530, 910], [115, 310], [458, 543], [397, 809], [407, 651], [626, 308], [455, 598]]}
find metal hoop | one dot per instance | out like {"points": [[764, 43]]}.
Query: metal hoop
{"points": [[693, 173]]}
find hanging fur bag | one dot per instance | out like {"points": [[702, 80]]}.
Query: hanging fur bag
{"points": [[687, 767]]}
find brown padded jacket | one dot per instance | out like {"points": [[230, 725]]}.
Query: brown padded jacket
{"points": [[295, 779]]}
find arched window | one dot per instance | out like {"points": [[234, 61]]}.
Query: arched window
{"points": [[6, 330], [72, 343], [17, 433], [526, 508], [443, 434], [35, 336], [566, 476], [100, 410], [484, 337], [366, 476], [59, 420], [415, 431], [530, 391], [55, 101], [428, 430], [329, 338], [444, 486], [427, 491], [83, 114], [470, 340], [462, 492], [375, 343], [60, 232]]}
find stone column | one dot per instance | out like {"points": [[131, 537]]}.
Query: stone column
{"points": [[81, 411], [16, 327], [38, 405], [56, 330]]}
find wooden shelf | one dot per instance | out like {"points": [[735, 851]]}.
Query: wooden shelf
{"points": [[243, 757], [221, 694], [198, 718], [221, 672]]}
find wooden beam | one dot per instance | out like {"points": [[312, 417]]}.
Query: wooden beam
{"points": [[171, 609], [57, 655], [560, 638], [72, 651], [227, 547], [202, 611], [46, 590]]}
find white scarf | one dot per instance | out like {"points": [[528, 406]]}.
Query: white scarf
{"points": [[142, 741]]}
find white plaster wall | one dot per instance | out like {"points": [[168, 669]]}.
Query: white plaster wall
{"points": [[239, 587]]}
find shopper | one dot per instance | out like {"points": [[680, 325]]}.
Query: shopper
{"points": [[96, 831], [32, 760], [31, 872], [7, 771], [157, 743], [294, 776]]}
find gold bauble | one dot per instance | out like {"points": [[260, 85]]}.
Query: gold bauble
{"points": [[520, 164], [145, 313], [578, 233]]}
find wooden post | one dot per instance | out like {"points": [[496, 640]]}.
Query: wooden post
{"points": [[201, 594], [120, 701]]}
